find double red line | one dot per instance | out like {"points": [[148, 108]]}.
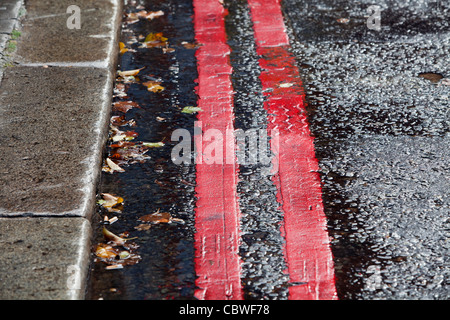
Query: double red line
{"points": [[307, 252]]}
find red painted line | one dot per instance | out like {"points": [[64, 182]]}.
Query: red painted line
{"points": [[308, 252], [217, 215]]}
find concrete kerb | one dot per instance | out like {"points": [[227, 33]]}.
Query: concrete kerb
{"points": [[55, 100]]}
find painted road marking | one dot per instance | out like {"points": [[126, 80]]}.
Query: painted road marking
{"points": [[308, 252], [217, 220]]}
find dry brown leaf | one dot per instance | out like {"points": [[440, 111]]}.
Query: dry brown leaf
{"points": [[119, 90], [120, 121], [143, 227], [118, 135], [433, 77], [115, 256], [106, 251], [111, 203], [152, 14], [189, 45], [124, 106], [168, 50], [159, 217], [133, 17]]}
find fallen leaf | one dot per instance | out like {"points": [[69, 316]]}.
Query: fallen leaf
{"points": [[191, 109], [143, 227], [110, 202], [130, 73], [122, 48], [120, 121], [115, 257], [115, 239], [118, 135], [168, 50], [153, 144], [153, 86], [188, 45], [132, 154], [112, 167], [159, 217], [160, 119], [131, 135], [433, 77], [106, 251], [118, 252], [133, 17], [119, 90], [124, 254], [123, 144], [155, 37], [154, 40], [152, 14], [124, 106]]}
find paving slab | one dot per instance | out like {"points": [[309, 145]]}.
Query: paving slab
{"points": [[9, 14], [55, 99], [46, 37], [53, 127], [42, 258], [9, 9]]}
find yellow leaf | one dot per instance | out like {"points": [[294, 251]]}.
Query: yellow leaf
{"points": [[155, 37], [110, 201], [153, 86], [154, 40], [122, 48], [105, 251]]}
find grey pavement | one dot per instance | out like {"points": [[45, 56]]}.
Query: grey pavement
{"points": [[55, 98]]}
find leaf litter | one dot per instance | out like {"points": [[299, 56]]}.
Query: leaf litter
{"points": [[160, 217], [118, 251]]}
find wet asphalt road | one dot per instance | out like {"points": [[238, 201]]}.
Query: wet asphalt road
{"points": [[381, 137]]}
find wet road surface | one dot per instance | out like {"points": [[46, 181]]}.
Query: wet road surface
{"points": [[380, 135]]}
